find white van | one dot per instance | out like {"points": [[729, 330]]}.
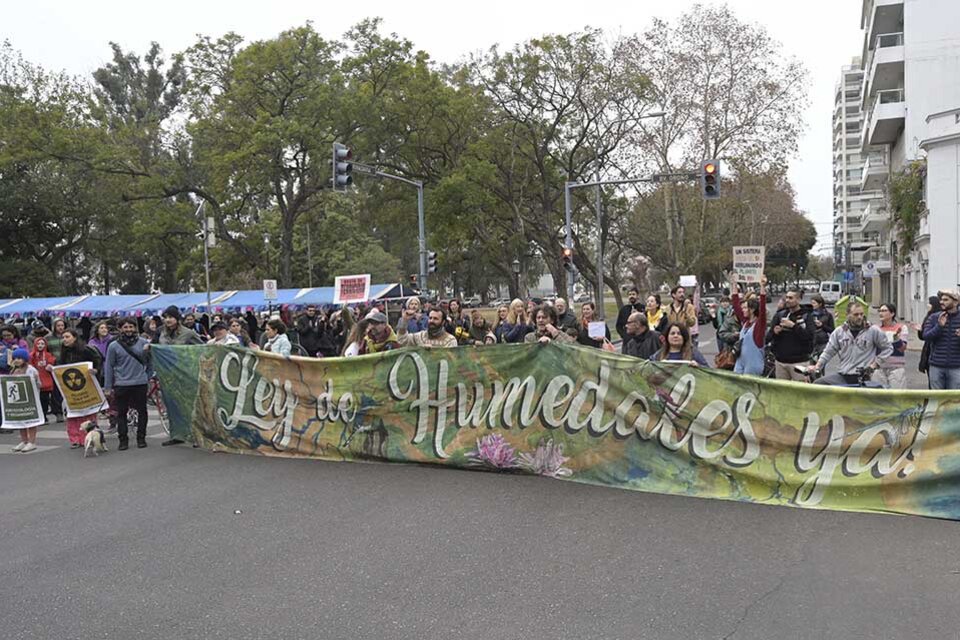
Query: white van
{"points": [[830, 291]]}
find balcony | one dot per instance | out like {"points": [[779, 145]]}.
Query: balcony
{"points": [[875, 172], [881, 16], [886, 117], [874, 219], [885, 65]]}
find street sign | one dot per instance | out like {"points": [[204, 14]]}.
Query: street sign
{"points": [[869, 269], [848, 276], [269, 289]]}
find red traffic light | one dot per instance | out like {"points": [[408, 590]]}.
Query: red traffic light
{"points": [[567, 252]]}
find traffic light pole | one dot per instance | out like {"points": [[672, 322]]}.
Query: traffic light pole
{"points": [[421, 225]]}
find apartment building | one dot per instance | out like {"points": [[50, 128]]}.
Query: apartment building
{"points": [[852, 202], [911, 88]]}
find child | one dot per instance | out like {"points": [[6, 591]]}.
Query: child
{"points": [[43, 361], [20, 366]]}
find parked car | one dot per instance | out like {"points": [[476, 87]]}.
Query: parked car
{"points": [[580, 298], [472, 301]]}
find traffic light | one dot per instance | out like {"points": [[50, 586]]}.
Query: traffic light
{"points": [[431, 261], [342, 167], [568, 258], [710, 179]]}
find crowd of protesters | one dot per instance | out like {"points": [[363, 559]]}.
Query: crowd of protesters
{"points": [[798, 342]]}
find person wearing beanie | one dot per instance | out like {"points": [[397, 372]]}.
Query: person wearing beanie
{"points": [[174, 333], [20, 366], [127, 371]]}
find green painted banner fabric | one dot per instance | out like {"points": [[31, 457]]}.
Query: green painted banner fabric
{"points": [[580, 414]]}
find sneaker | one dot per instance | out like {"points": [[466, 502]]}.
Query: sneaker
{"points": [[75, 445], [20, 447], [170, 442], [122, 446], [28, 447], [141, 444]]}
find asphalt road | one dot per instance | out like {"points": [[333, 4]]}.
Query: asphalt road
{"points": [[179, 543]]}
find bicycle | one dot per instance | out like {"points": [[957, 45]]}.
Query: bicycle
{"points": [[154, 399]]}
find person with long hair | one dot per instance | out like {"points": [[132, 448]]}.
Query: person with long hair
{"points": [[75, 351], [677, 345], [502, 312], [517, 325], [547, 327], [101, 338], [587, 315], [752, 316], [933, 306], [892, 372], [823, 322]]}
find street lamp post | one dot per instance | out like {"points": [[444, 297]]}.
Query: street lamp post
{"points": [[516, 275]]}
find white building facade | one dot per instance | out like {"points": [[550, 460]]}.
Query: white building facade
{"points": [[911, 82]]}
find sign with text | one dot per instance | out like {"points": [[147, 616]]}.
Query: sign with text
{"points": [[351, 289], [269, 289], [20, 402], [581, 414], [748, 263], [80, 389]]}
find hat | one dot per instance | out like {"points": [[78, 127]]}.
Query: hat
{"points": [[21, 354], [172, 312], [38, 325], [950, 293], [376, 316], [218, 325]]}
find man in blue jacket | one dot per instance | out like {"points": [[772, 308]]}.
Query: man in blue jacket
{"points": [[942, 332], [126, 374]]}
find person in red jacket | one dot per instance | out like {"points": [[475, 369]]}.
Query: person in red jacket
{"points": [[43, 361]]}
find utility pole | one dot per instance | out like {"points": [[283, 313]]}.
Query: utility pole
{"points": [[599, 251], [206, 251]]}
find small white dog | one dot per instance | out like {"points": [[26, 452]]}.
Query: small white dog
{"points": [[94, 440]]}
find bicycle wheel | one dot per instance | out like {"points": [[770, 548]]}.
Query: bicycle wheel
{"points": [[156, 399]]}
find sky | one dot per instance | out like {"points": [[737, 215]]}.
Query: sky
{"points": [[823, 34]]}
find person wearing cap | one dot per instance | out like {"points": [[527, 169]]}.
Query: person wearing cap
{"points": [[37, 330], [175, 333], [942, 332], [433, 336], [20, 366], [222, 335], [380, 336]]}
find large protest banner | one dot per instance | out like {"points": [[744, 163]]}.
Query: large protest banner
{"points": [[579, 414], [80, 389]]}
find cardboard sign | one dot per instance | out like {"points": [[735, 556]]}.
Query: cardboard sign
{"points": [[269, 289], [597, 330], [20, 402], [80, 389], [748, 263], [688, 281], [351, 289]]}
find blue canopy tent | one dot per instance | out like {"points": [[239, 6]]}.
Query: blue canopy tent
{"points": [[100, 306], [38, 306]]}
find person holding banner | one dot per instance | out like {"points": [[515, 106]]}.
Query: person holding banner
{"points": [[76, 351], [20, 366]]}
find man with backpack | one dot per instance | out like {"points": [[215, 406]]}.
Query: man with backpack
{"points": [[126, 375]]}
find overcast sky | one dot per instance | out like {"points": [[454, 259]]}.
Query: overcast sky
{"points": [[824, 34]]}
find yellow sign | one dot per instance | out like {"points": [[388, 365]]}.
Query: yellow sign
{"points": [[80, 389]]}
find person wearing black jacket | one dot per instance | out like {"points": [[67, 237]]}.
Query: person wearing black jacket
{"points": [[310, 327], [933, 306], [642, 341], [624, 314], [823, 324], [791, 336]]}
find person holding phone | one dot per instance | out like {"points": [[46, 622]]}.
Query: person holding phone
{"points": [[791, 336]]}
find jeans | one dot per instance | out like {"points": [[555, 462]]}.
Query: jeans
{"points": [[944, 378], [124, 399]]}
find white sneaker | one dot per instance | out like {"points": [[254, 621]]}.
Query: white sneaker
{"points": [[28, 447], [20, 446]]}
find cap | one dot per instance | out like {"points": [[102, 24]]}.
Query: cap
{"points": [[218, 325], [376, 316]]}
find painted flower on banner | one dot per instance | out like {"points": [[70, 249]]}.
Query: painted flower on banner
{"points": [[546, 460], [494, 452]]}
